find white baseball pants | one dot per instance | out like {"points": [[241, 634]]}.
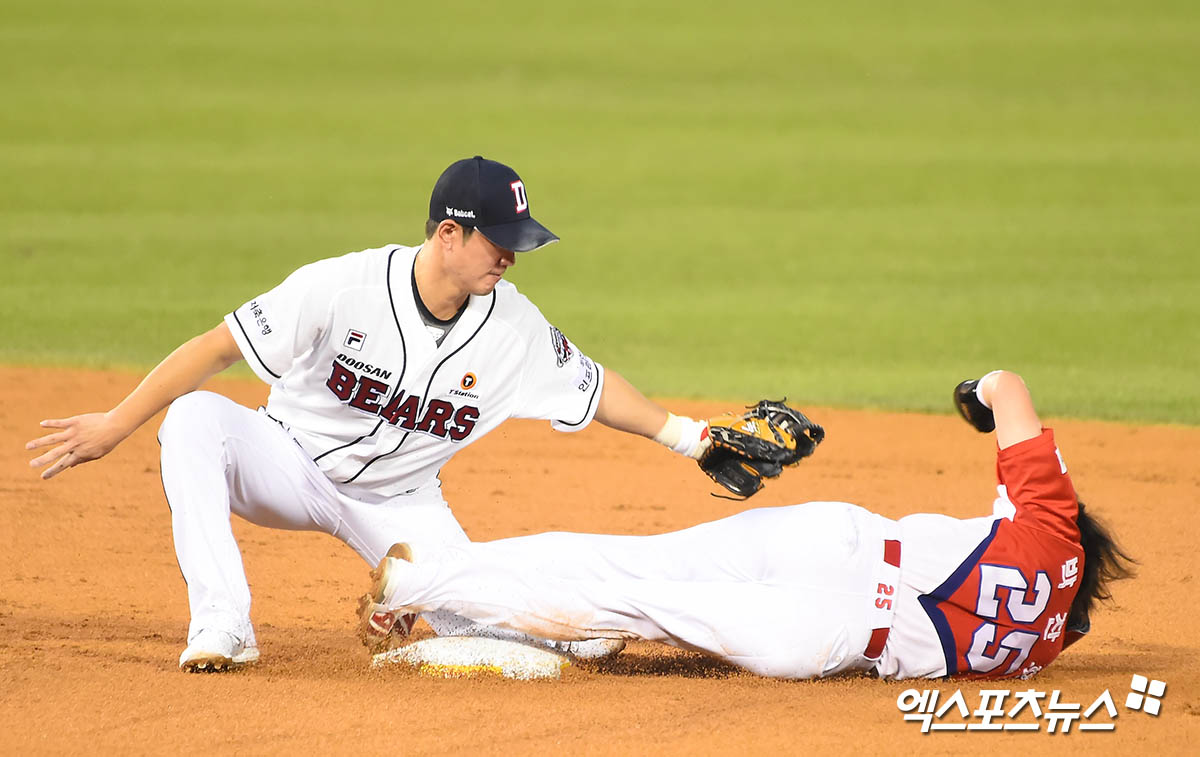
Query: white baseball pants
{"points": [[787, 592], [220, 458]]}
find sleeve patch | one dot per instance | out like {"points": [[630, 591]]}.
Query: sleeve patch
{"points": [[562, 348]]}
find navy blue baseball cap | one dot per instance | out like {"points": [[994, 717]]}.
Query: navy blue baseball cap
{"points": [[491, 197]]}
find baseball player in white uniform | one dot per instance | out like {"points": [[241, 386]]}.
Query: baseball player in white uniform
{"points": [[382, 364], [817, 589]]}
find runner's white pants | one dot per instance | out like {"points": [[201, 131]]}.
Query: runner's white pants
{"points": [[220, 458], [787, 592]]}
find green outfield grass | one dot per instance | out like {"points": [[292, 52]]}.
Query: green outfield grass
{"points": [[854, 203]]}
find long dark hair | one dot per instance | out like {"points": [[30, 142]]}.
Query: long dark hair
{"points": [[1103, 562]]}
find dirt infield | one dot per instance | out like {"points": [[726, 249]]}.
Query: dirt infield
{"points": [[93, 610]]}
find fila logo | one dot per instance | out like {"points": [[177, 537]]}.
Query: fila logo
{"points": [[518, 188], [355, 339]]}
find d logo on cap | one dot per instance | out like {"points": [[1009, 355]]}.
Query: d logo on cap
{"points": [[518, 188], [479, 192]]}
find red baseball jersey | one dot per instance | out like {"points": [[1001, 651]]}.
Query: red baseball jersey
{"points": [[1003, 612]]}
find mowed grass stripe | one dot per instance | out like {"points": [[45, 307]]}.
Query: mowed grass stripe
{"points": [[850, 205]]}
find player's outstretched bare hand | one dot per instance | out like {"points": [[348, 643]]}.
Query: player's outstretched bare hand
{"points": [[81, 438]]}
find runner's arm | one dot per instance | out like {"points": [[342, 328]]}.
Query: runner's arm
{"points": [[1016, 420]]}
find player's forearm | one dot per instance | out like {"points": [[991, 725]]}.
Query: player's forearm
{"points": [[1008, 397], [625, 408], [183, 371]]}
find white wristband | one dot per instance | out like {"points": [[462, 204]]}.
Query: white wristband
{"points": [[979, 389], [684, 435]]}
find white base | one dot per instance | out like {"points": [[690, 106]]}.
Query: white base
{"points": [[473, 656]]}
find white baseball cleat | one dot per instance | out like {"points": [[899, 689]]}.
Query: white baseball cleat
{"points": [[377, 623], [214, 651]]}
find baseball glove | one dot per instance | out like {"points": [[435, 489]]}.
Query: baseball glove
{"points": [[971, 409], [744, 449]]}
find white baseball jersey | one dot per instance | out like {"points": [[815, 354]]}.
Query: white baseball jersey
{"points": [[369, 395]]}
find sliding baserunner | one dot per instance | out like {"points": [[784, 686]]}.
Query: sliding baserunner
{"points": [[816, 589]]}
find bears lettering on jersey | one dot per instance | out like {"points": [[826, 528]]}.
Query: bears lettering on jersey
{"points": [[441, 418], [402, 411]]}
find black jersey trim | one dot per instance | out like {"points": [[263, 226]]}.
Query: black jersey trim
{"points": [[267, 368], [491, 308], [371, 462], [425, 397], [387, 281], [349, 444], [396, 318], [587, 413]]}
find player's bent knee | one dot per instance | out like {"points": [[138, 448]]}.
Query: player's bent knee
{"points": [[190, 415]]}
